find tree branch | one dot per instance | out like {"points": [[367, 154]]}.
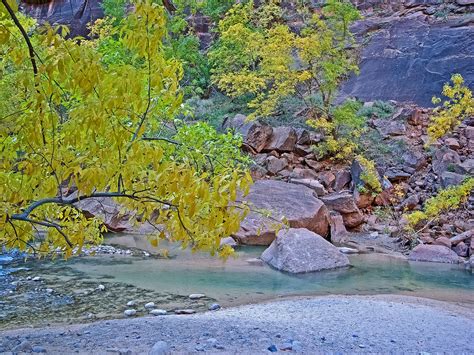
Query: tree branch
{"points": [[24, 34]]}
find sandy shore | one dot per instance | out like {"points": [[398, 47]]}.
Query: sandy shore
{"points": [[342, 324]]}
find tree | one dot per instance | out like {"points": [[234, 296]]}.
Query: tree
{"points": [[73, 120], [257, 55]]}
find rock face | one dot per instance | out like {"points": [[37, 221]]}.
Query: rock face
{"points": [[300, 250], [74, 13], [409, 59], [295, 202], [433, 253]]}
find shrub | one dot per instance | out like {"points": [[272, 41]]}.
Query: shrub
{"points": [[458, 106], [448, 199]]}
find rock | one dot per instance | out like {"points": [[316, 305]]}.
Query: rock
{"points": [[338, 229], [214, 307], [389, 128], [23, 347], [327, 178], [346, 250], [101, 287], [254, 261], [38, 349], [410, 203], [408, 58], [185, 311], [158, 312], [413, 159], [433, 253], [36, 279], [150, 305], [275, 165], [5, 259], [301, 173], [363, 200], [228, 241], [465, 2], [343, 179], [131, 303], [461, 249], [296, 203], [272, 348], [196, 296], [443, 159], [76, 14], [130, 312], [312, 184], [469, 132], [451, 179], [283, 140], [395, 174], [300, 251], [107, 210], [443, 241], [452, 143], [344, 203], [466, 167], [160, 348], [254, 133], [462, 237]]}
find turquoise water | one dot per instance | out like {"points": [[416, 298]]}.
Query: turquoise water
{"points": [[241, 280]]}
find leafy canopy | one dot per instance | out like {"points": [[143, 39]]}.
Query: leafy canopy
{"points": [[88, 123]]}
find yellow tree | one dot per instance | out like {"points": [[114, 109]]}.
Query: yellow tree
{"points": [[70, 120]]}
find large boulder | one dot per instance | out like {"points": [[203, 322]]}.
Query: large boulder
{"points": [[300, 250], [283, 139], [433, 253], [296, 203], [410, 58]]}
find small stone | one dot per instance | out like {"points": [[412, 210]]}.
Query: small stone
{"points": [[36, 278], [158, 312], [346, 250], [38, 349], [101, 287], [185, 311], [272, 348], [150, 305], [130, 312], [131, 303], [199, 348], [214, 307], [160, 348], [49, 290], [196, 296]]}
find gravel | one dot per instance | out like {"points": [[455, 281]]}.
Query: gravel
{"points": [[342, 324]]}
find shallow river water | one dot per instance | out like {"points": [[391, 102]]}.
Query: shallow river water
{"points": [[85, 289]]}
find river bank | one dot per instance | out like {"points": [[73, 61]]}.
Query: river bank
{"points": [[343, 324]]}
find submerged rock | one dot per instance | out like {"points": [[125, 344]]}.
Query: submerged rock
{"points": [[296, 203], [300, 250], [433, 253]]}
